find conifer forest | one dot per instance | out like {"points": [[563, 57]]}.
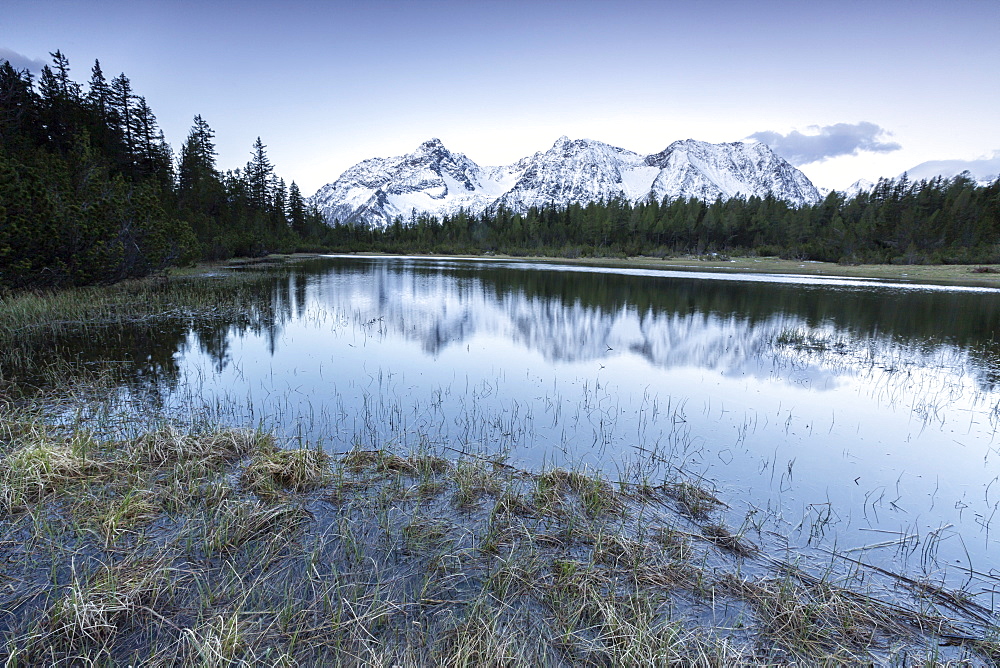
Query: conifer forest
{"points": [[91, 192]]}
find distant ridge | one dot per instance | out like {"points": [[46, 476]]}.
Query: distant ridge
{"points": [[983, 171], [436, 181]]}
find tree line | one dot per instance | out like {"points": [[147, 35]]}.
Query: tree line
{"points": [[91, 192], [899, 221]]}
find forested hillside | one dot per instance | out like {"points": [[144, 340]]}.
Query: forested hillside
{"points": [[936, 221], [91, 192]]}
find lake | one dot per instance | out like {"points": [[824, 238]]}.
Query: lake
{"points": [[829, 414]]}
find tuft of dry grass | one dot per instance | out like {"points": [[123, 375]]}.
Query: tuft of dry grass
{"points": [[124, 513], [720, 534], [270, 473], [89, 613], [30, 472], [596, 496], [473, 479], [170, 444], [694, 501]]}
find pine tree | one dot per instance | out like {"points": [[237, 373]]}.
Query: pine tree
{"points": [[152, 154], [99, 93], [196, 171], [202, 136], [68, 89], [122, 99], [52, 109], [18, 107], [201, 197], [259, 174], [296, 210], [279, 211]]}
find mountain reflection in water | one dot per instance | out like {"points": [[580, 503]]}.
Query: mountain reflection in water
{"points": [[730, 326]]}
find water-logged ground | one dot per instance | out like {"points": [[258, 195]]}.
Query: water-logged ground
{"points": [[833, 414]]}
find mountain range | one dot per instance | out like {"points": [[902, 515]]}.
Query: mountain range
{"points": [[435, 181]]}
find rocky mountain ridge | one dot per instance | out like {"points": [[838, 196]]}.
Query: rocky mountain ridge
{"points": [[436, 181]]}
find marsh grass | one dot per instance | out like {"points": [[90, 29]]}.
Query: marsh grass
{"points": [[719, 534], [217, 547], [41, 331], [274, 472], [29, 473], [693, 500]]}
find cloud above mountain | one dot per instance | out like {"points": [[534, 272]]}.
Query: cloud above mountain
{"points": [[828, 141], [19, 61]]}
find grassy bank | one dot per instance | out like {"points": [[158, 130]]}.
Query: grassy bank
{"points": [[953, 274], [934, 274], [218, 547]]}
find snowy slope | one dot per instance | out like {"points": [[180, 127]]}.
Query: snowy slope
{"points": [[984, 171], [859, 186], [578, 171], [430, 179], [433, 180], [692, 168]]}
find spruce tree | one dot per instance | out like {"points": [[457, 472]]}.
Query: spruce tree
{"points": [[99, 93], [296, 210], [68, 89], [152, 154], [259, 173], [122, 98], [197, 180], [279, 211], [18, 108]]}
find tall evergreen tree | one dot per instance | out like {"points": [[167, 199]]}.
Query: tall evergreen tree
{"points": [[68, 89], [279, 211], [54, 110], [259, 173], [122, 104], [18, 107], [99, 93], [296, 210], [198, 183], [152, 154]]}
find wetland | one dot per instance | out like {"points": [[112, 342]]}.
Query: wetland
{"points": [[404, 460]]}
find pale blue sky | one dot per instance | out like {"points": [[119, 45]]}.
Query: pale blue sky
{"points": [[327, 84]]}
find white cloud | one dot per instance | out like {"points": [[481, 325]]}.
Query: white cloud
{"points": [[828, 141], [20, 62]]}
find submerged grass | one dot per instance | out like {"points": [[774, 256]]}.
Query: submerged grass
{"points": [[217, 547]]}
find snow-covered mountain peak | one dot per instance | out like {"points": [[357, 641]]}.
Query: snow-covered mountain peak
{"points": [[436, 181], [692, 168], [432, 146], [560, 143], [859, 186]]}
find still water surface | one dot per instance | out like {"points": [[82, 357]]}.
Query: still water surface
{"points": [[832, 414]]}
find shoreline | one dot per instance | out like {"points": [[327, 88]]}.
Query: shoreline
{"points": [[987, 276]]}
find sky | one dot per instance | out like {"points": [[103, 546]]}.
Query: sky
{"points": [[844, 90]]}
